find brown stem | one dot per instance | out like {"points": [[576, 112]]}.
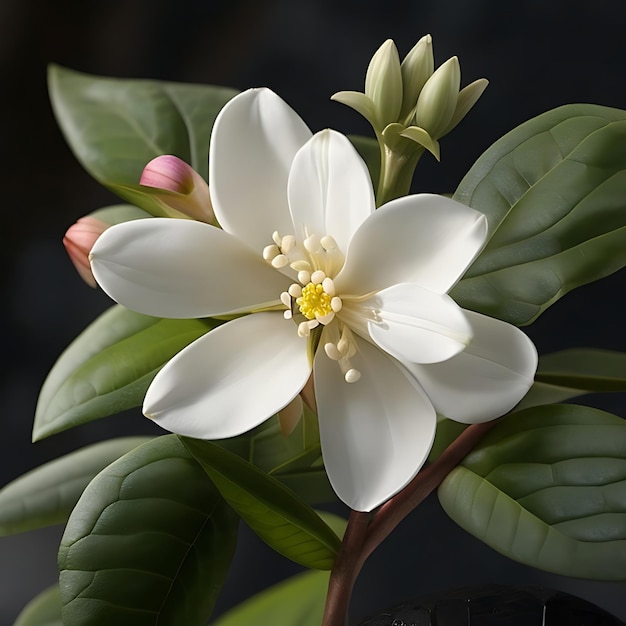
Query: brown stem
{"points": [[346, 569]]}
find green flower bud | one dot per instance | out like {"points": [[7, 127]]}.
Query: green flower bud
{"points": [[383, 83], [468, 96], [438, 99], [417, 67]]}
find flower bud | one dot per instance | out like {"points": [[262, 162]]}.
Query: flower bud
{"points": [[417, 67], [437, 101], [178, 186], [383, 83], [468, 96], [78, 241]]}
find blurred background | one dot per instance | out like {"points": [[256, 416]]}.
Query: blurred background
{"points": [[537, 55]]}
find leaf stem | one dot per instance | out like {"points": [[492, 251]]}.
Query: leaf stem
{"points": [[365, 533]]}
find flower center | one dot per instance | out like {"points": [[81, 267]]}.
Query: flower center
{"points": [[314, 302], [312, 299]]}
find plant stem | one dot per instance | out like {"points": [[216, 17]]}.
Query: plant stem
{"points": [[346, 569], [364, 533]]}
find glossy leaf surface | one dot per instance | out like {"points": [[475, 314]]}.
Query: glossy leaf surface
{"points": [[148, 543], [283, 520], [108, 367], [43, 610], [554, 193], [298, 600], [47, 494], [115, 126], [547, 487]]}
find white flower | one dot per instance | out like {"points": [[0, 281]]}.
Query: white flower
{"points": [[355, 295]]}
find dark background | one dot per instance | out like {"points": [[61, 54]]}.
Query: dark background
{"points": [[537, 55]]}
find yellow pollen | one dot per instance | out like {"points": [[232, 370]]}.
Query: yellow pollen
{"points": [[314, 301]]}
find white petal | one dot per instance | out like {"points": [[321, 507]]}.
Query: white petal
{"points": [[231, 379], [425, 239], [416, 325], [182, 268], [254, 140], [330, 190], [377, 432], [486, 380]]}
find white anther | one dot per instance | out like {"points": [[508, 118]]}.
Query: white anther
{"points": [[278, 240], [285, 298], [329, 286], [328, 243], [352, 375], [279, 261], [287, 314], [332, 352], [303, 329], [312, 324], [269, 252], [304, 277], [295, 290], [312, 243], [336, 304], [301, 266], [288, 243], [325, 319], [317, 277]]}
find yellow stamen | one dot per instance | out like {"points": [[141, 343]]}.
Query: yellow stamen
{"points": [[314, 302]]}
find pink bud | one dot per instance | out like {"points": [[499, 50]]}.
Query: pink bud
{"points": [[78, 241], [184, 190]]}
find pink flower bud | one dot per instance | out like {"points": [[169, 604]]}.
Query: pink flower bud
{"points": [[184, 190], [78, 241]]}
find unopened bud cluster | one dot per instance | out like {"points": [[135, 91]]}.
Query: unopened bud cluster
{"points": [[412, 100]]}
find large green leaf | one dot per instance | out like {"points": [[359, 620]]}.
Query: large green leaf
{"points": [[109, 366], [570, 373], [47, 494], [297, 601], [115, 126], [584, 368], [42, 610], [547, 487], [282, 519], [148, 543], [554, 193]]}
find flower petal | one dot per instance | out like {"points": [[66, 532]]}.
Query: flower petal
{"points": [[486, 380], [425, 239], [253, 142], [182, 268], [416, 325], [330, 190], [377, 432], [231, 379]]}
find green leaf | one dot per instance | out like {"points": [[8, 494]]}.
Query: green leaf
{"points": [[554, 193], [298, 600], [47, 494], [42, 610], [115, 126], [547, 487], [582, 368], [294, 459], [278, 516], [118, 213], [109, 366], [576, 372], [148, 543]]}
